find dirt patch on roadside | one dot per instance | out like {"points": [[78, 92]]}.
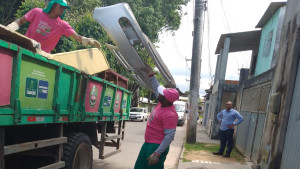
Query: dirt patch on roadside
{"points": [[208, 156]]}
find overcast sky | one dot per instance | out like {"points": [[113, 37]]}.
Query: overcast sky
{"points": [[222, 16]]}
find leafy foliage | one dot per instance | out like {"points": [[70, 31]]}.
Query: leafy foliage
{"points": [[152, 16], [8, 9]]}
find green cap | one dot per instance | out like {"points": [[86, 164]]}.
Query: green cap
{"points": [[60, 2]]}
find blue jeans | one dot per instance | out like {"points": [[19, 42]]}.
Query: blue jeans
{"points": [[226, 138]]}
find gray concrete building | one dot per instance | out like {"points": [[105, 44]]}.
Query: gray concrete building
{"points": [[268, 91]]}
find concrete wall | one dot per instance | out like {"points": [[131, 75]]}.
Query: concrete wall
{"points": [[206, 111], [267, 43], [283, 83]]}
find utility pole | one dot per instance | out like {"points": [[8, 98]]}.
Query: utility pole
{"points": [[195, 72]]}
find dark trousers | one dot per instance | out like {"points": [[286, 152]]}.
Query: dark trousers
{"points": [[226, 138], [146, 150]]}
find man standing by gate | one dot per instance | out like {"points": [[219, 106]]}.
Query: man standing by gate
{"points": [[227, 117]]}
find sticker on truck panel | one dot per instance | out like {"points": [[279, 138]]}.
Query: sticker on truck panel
{"points": [[43, 89], [36, 88], [107, 101], [31, 87], [124, 104], [117, 100], [93, 96]]}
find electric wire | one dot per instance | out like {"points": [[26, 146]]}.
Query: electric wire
{"points": [[208, 43], [229, 29]]}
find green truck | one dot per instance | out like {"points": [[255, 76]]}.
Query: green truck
{"points": [[51, 113]]}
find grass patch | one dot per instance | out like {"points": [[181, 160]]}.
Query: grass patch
{"points": [[201, 146], [184, 160], [235, 154]]}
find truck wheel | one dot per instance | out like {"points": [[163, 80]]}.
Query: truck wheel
{"points": [[78, 153]]}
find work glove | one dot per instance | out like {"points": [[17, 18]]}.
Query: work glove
{"points": [[14, 26], [45, 54], [90, 41], [36, 44], [153, 159]]}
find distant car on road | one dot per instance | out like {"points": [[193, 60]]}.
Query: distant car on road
{"points": [[138, 114], [181, 109]]}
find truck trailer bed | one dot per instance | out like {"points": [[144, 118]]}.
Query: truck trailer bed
{"points": [[36, 90]]}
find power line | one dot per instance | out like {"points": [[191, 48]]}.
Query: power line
{"points": [[188, 70], [187, 17], [226, 20], [208, 42], [176, 47]]}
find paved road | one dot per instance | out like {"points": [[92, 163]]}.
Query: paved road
{"points": [[134, 138]]}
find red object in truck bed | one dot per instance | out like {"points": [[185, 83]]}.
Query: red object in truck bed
{"points": [[114, 77]]}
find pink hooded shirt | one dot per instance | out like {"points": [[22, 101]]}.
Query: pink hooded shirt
{"points": [[161, 118], [46, 30]]}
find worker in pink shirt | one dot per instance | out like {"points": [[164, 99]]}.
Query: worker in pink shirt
{"points": [[47, 26], [161, 128]]}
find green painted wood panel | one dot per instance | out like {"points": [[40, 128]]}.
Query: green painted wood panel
{"points": [[64, 89], [36, 83], [107, 103], [41, 84]]}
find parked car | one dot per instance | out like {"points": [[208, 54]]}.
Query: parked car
{"points": [[181, 109], [138, 114]]}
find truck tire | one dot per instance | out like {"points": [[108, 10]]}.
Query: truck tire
{"points": [[77, 152]]}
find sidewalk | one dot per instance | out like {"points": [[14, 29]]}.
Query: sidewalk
{"points": [[200, 164]]}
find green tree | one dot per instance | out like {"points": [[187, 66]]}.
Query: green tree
{"points": [[8, 9], [152, 16]]}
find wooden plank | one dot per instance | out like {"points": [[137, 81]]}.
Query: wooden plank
{"points": [[16, 38], [113, 137], [110, 144], [90, 61], [110, 154], [33, 145]]}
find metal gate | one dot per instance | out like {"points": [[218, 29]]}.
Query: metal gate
{"points": [[291, 155], [253, 109]]}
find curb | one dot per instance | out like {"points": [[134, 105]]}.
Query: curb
{"points": [[180, 155]]}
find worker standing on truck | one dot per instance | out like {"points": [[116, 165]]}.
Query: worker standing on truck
{"points": [[161, 127], [47, 26]]}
